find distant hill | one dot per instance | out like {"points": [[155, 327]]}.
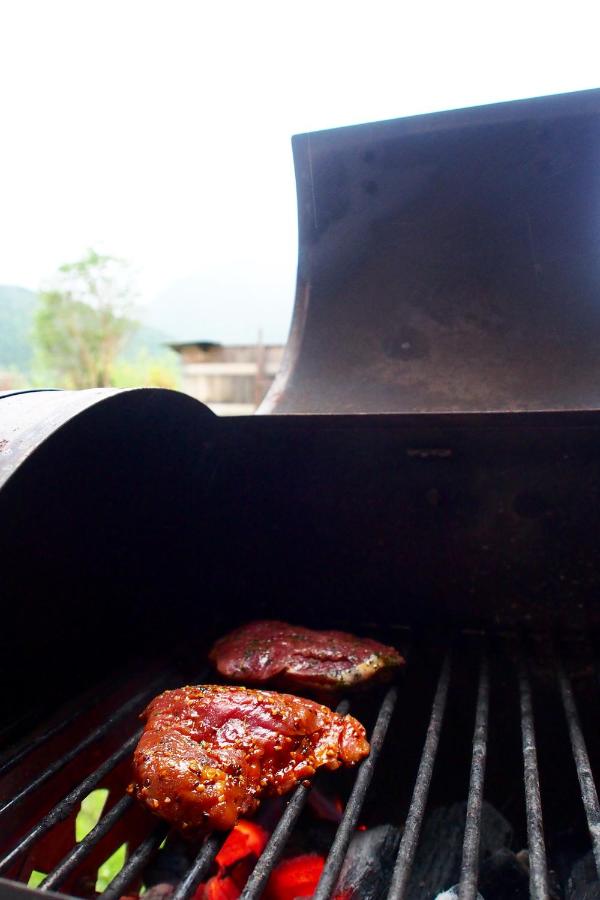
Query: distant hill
{"points": [[228, 304], [150, 341], [17, 307]]}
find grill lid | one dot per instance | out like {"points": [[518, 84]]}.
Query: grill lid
{"points": [[448, 262]]}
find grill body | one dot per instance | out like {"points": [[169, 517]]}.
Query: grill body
{"points": [[471, 520]]}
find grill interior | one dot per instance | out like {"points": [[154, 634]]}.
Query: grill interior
{"points": [[504, 718]]}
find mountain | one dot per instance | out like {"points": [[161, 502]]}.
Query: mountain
{"points": [[17, 305], [148, 341], [228, 304]]}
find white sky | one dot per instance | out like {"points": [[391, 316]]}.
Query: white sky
{"points": [[159, 131]]}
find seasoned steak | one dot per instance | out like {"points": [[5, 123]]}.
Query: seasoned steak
{"points": [[208, 754], [292, 656]]}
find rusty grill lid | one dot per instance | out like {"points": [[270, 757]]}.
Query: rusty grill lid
{"points": [[449, 262]]}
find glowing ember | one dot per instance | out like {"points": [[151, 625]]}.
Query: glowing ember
{"points": [[292, 878], [236, 859], [218, 888], [245, 839], [296, 877]]}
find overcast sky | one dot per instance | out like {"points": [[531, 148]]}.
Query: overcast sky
{"points": [[160, 131]]}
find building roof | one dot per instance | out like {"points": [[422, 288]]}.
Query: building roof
{"points": [[207, 346], [201, 345]]}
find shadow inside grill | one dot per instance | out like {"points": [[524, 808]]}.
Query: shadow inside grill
{"points": [[499, 719]]}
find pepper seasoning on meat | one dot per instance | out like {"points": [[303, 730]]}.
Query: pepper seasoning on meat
{"points": [[291, 656], [209, 753]]}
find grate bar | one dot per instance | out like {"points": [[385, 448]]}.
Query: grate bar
{"points": [[276, 845], [280, 836], [347, 826], [135, 865], [68, 803], [84, 847], [470, 858], [589, 794], [414, 820], [40, 739], [211, 846], [91, 738], [538, 867]]}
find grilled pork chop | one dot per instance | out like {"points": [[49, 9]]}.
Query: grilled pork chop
{"points": [[208, 754], [292, 656]]}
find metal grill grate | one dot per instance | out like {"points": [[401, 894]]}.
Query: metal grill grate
{"points": [[388, 717]]}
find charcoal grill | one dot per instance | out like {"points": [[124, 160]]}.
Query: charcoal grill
{"points": [[419, 462]]}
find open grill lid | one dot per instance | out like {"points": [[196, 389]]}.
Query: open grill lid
{"points": [[449, 262]]}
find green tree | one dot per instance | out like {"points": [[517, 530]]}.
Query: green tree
{"points": [[83, 319]]}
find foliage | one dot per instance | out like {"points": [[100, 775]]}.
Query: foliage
{"points": [[90, 812], [149, 371], [144, 359], [17, 306], [87, 818], [83, 321]]}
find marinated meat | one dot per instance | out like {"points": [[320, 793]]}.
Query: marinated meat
{"points": [[208, 754], [292, 656]]}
